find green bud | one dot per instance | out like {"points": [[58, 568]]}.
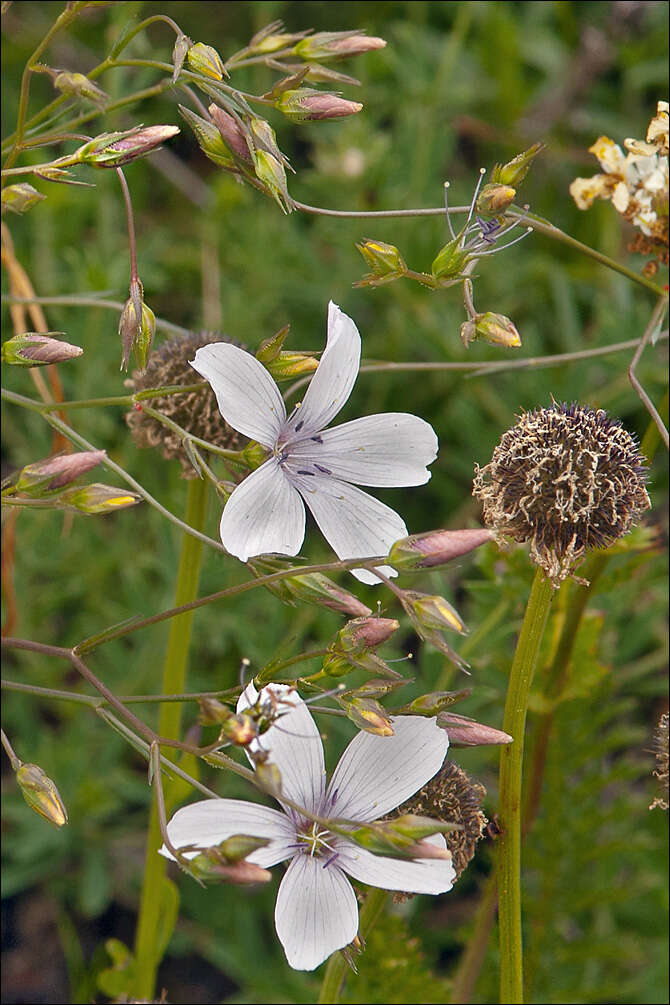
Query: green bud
{"points": [[112, 150], [494, 199], [211, 866], [368, 715], [20, 198], [36, 349], [41, 794], [212, 712], [382, 838], [269, 775], [364, 633], [270, 348], [336, 45], [136, 337], [209, 138], [434, 702], [496, 329], [385, 261], [418, 827], [253, 455], [271, 38], [239, 846], [96, 498], [239, 729], [377, 688], [289, 365], [450, 261], [78, 85], [312, 588], [205, 60], [270, 172], [432, 612], [514, 172], [264, 138]]}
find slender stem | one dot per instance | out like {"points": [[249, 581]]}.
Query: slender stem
{"points": [[378, 214], [137, 699], [174, 675], [653, 327], [75, 301], [130, 220], [337, 968], [9, 750], [511, 762]]}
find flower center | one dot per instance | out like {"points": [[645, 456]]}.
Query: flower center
{"points": [[314, 840]]}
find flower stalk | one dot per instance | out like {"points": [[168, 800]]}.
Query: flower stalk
{"points": [[337, 968]]}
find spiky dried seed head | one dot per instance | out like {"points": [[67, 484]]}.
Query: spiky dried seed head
{"points": [[196, 411], [567, 479]]}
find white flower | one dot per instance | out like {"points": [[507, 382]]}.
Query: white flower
{"points": [[265, 513], [316, 911]]}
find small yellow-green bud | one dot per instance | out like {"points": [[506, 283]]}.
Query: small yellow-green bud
{"points": [[36, 349], [496, 329], [212, 866], [336, 45], [382, 839], [432, 612], [377, 688], [253, 455], [239, 729], [308, 105], [417, 827], [205, 60], [424, 551], [385, 261], [78, 85], [494, 198], [368, 715], [20, 198], [41, 794], [271, 38], [270, 172], [289, 365], [55, 472], [269, 775], [450, 261], [434, 702], [97, 498], [239, 846], [263, 137], [136, 337], [514, 172], [209, 138], [270, 348]]}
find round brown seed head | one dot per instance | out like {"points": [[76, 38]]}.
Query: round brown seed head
{"points": [[567, 479], [196, 411]]}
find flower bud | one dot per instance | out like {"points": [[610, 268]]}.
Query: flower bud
{"points": [[230, 133], [465, 732], [432, 612], [112, 150], [55, 472], [269, 776], [364, 633], [270, 172], [41, 794], [424, 551], [381, 839], [368, 715], [450, 261], [418, 827], [271, 347], [212, 866], [494, 199], [496, 329], [209, 138], [385, 261], [213, 712], [253, 455], [336, 45], [263, 137], [238, 846], [432, 703], [377, 688], [514, 172], [239, 729], [289, 365], [271, 38], [312, 588], [206, 60], [36, 349], [182, 44], [78, 85], [136, 337], [308, 105], [96, 498], [20, 198]]}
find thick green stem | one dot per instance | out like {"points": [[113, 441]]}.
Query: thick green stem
{"points": [[336, 971], [174, 676], [511, 761]]}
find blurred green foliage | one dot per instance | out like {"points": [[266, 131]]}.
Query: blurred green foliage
{"points": [[459, 86]]}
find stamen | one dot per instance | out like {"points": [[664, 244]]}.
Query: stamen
{"points": [[317, 439], [331, 859], [302, 472], [501, 247], [325, 471], [300, 425]]}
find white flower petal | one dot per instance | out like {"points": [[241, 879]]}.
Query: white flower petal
{"points": [[434, 875], [377, 773], [210, 821], [381, 450], [264, 514], [294, 743], [248, 398], [334, 378], [355, 524], [316, 912]]}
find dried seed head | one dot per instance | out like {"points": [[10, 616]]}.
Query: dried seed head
{"points": [[453, 797], [197, 411], [566, 479]]}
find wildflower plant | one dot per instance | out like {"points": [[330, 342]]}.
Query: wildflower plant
{"points": [[259, 688]]}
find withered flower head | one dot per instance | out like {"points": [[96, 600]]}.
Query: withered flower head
{"points": [[567, 479], [196, 411], [453, 797]]}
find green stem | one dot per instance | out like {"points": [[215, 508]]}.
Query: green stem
{"points": [[511, 761], [336, 970], [174, 675]]}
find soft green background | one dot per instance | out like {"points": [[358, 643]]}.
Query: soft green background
{"points": [[459, 86]]}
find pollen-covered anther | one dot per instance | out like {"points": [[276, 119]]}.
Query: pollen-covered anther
{"points": [[567, 479]]}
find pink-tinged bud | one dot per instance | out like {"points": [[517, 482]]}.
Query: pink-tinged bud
{"points": [[96, 498], [230, 132], [383, 838], [494, 199], [212, 866], [308, 105], [424, 551], [496, 329], [205, 60], [365, 633], [35, 349], [209, 138], [112, 150], [41, 794], [336, 45], [433, 703], [20, 198], [368, 715], [465, 732], [55, 472], [516, 170], [78, 85], [312, 588]]}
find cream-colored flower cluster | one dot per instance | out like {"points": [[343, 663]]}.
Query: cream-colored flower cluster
{"points": [[636, 182]]}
